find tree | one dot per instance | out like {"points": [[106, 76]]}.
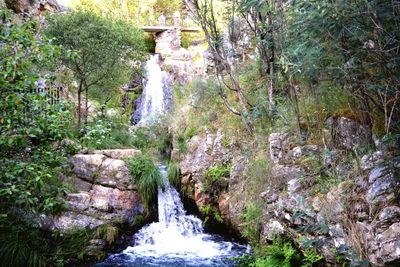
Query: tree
{"points": [[262, 18], [205, 14], [100, 51], [351, 44]]}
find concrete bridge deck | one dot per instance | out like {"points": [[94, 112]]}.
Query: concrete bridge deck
{"points": [[158, 29]]}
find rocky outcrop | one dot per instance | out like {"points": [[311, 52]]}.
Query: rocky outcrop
{"points": [[105, 193], [356, 219], [323, 197], [32, 7], [349, 134]]}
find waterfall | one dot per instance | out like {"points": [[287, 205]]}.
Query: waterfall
{"points": [[177, 239], [156, 99]]}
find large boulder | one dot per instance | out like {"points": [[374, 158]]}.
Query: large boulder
{"points": [[350, 134], [106, 192]]}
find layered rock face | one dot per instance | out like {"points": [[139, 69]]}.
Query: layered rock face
{"points": [[356, 216], [106, 192]]}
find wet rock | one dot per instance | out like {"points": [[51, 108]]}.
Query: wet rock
{"points": [[350, 134]]}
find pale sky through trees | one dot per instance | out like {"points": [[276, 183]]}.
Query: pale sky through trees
{"points": [[64, 2]]}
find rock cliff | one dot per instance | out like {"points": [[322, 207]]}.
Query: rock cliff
{"points": [[325, 197]]}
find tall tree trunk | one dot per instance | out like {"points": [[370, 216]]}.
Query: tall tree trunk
{"points": [[80, 103], [271, 88], [86, 105]]}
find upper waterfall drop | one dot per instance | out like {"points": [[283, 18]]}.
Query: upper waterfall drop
{"points": [[157, 94]]}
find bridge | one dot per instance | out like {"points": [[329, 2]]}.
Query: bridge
{"points": [[158, 29], [162, 27]]}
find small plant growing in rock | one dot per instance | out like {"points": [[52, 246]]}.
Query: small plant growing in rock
{"points": [[214, 174], [210, 212], [219, 171]]}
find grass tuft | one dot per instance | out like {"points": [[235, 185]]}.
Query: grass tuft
{"points": [[147, 177], [173, 173]]}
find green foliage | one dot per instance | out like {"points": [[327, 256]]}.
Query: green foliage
{"points": [[311, 257], [147, 177], [24, 244], [217, 172], [173, 173], [251, 217], [108, 133], [214, 174], [154, 138], [85, 39], [31, 129], [279, 253], [136, 11], [210, 212]]}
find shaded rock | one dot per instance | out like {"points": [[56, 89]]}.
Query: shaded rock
{"points": [[32, 7], [389, 215], [278, 143], [95, 246], [269, 196], [369, 161], [350, 134], [23, 6], [383, 190], [388, 246], [281, 174], [87, 166], [223, 205], [78, 201]]}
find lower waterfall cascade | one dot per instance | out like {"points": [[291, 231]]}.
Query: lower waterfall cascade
{"points": [[177, 239]]}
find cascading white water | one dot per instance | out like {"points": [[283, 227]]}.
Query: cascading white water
{"points": [[153, 102], [177, 239]]}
